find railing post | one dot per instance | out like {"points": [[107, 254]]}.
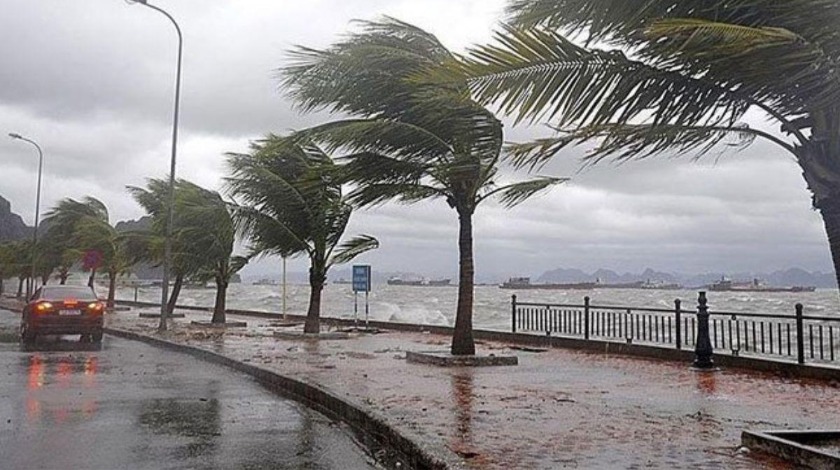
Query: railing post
{"points": [[703, 344], [513, 313], [677, 316], [800, 336], [586, 317]]}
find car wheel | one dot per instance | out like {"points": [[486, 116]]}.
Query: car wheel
{"points": [[96, 336], [27, 334]]}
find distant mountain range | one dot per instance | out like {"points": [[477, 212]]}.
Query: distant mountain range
{"points": [[782, 278], [12, 226]]}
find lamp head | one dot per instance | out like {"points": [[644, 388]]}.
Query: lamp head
{"points": [[15, 136], [136, 1]]}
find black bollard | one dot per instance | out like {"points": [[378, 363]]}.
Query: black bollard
{"points": [[703, 345]]}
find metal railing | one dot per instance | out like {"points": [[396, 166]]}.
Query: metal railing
{"points": [[798, 336]]}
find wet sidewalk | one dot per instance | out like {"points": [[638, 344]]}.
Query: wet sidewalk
{"points": [[556, 409]]}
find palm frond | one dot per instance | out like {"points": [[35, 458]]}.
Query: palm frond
{"points": [[401, 140], [537, 74], [516, 193], [624, 142], [352, 248], [619, 21], [374, 194]]}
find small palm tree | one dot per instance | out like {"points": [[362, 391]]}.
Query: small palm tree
{"points": [[87, 223], [188, 257], [673, 77], [292, 205], [7, 262], [22, 262], [204, 219], [408, 140]]}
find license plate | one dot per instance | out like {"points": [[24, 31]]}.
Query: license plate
{"points": [[69, 312]]}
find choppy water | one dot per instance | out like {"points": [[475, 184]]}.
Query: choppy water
{"points": [[436, 305]]}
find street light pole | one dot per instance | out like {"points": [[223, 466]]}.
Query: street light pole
{"points": [[31, 284], [170, 216]]}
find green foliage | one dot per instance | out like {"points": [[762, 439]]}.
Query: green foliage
{"points": [[654, 77], [292, 203], [407, 138]]}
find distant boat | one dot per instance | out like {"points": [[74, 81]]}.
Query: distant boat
{"points": [[342, 281], [725, 285], [659, 285], [265, 282], [525, 283], [396, 281]]}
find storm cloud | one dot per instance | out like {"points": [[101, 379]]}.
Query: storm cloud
{"points": [[92, 82]]}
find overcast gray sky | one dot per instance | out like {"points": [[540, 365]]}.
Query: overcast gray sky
{"points": [[92, 82]]}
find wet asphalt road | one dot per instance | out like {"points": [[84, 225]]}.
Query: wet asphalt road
{"points": [[132, 406]]}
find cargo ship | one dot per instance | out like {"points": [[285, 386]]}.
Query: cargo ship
{"points": [[725, 285], [525, 283], [395, 281]]}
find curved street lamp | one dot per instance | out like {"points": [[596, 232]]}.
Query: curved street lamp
{"points": [[31, 284], [167, 246]]}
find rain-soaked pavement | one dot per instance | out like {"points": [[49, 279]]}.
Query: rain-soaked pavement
{"points": [[557, 409], [64, 405]]}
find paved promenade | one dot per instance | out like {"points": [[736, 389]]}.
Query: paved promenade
{"points": [[557, 409]]}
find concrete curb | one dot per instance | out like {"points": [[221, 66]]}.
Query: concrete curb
{"points": [[374, 428]]}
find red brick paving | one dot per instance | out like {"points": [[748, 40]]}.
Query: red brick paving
{"points": [[557, 409]]}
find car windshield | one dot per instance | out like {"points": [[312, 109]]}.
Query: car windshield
{"points": [[67, 292]]}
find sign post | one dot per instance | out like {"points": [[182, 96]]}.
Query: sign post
{"points": [[361, 283]]}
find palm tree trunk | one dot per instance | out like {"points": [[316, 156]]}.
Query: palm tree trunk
{"points": [[62, 276], [112, 287], [830, 210], [221, 300], [20, 287], [176, 291], [462, 341], [317, 277], [92, 277]]}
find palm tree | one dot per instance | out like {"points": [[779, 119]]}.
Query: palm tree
{"points": [[87, 227], [672, 76], [409, 140], [292, 205], [7, 262], [188, 257], [204, 219], [19, 259]]}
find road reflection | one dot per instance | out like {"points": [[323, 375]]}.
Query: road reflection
{"points": [[48, 375], [196, 419]]}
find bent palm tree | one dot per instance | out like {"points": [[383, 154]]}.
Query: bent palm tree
{"points": [[188, 258], [676, 76], [90, 230], [293, 205], [410, 140], [204, 219]]}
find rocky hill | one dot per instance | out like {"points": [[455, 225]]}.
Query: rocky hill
{"points": [[11, 224]]}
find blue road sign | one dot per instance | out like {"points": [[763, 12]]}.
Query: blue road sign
{"points": [[361, 278]]}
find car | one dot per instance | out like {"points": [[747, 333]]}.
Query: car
{"points": [[63, 310]]}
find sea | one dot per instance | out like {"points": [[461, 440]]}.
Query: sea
{"points": [[435, 305]]}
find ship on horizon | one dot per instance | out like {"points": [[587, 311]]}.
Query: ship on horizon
{"points": [[396, 281], [525, 283], [726, 285]]}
